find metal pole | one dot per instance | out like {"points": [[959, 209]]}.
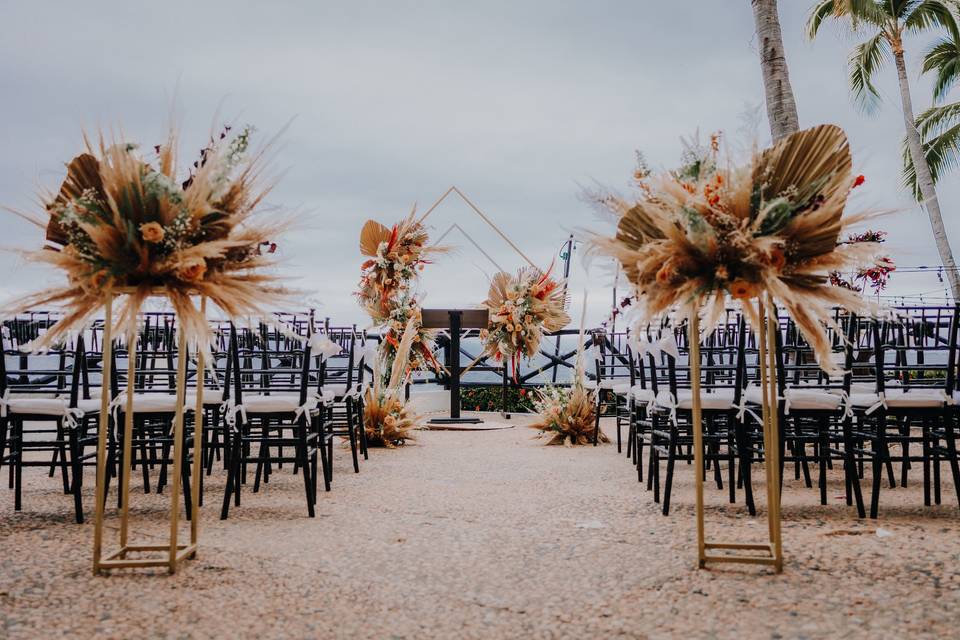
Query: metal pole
{"points": [[693, 339], [102, 433]]}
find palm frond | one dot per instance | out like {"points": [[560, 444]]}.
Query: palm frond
{"points": [[823, 10], [929, 14], [944, 58], [876, 13], [867, 58], [939, 129]]}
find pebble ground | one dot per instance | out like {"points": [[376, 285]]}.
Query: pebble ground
{"points": [[487, 535]]}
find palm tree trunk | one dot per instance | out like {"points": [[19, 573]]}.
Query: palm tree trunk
{"points": [[924, 180], [781, 105]]}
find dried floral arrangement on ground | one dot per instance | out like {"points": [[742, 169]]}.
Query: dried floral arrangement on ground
{"points": [[126, 218], [568, 415], [711, 230], [387, 418]]}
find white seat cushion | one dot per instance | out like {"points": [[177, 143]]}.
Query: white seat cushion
{"points": [[856, 388], [620, 388], [49, 406], [640, 394], [271, 403], [915, 398], [37, 406], [714, 399], [862, 400], [152, 403], [719, 400], [753, 395], [812, 400]]}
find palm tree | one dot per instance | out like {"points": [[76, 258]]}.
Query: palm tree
{"points": [[889, 20], [781, 105], [939, 126]]}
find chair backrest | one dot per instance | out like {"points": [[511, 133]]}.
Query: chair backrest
{"points": [[56, 372], [258, 367]]}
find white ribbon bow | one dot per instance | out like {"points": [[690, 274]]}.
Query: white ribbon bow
{"points": [[367, 353], [71, 415], [665, 344], [743, 409], [666, 400], [324, 347]]}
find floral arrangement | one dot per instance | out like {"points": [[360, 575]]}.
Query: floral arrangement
{"points": [[521, 308], [421, 358], [708, 231], [566, 415], [124, 219], [569, 415], [387, 419], [396, 256]]}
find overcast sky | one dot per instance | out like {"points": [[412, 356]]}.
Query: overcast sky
{"points": [[518, 103]]}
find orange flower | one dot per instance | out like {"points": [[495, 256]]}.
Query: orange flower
{"points": [[152, 232], [742, 289], [776, 258], [192, 269]]}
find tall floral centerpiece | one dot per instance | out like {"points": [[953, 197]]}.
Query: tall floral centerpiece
{"points": [[125, 219], [764, 233], [395, 257], [127, 223]]}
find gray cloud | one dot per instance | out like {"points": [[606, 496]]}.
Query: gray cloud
{"points": [[515, 102]]}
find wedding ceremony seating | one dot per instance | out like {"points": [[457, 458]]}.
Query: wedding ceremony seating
{"points": [[893, 405], [278, 398]]}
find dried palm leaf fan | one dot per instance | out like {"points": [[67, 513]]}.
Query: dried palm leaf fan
{"points": [[705, 232], [521, 308], [126, 223]]}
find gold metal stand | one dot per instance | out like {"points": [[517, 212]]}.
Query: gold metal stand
{"points": [[120, 558], [764, 553]]}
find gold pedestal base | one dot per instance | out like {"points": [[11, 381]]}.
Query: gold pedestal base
{"points": [[168, 555], [768, 553], [770, 558], [119, 559]]}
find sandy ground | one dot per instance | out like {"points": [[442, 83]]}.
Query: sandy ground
{"points": [[487, 535]]}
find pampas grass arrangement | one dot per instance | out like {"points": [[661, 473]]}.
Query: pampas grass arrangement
{"points": [[396, 255], [522, 307], [126, 220], [708, 231], [386, 417], [568, 416]]}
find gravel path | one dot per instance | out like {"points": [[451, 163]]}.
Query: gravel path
{"points": [[486, 535]]}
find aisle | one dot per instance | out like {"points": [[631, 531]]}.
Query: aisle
{"points": [[482, 535]]}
